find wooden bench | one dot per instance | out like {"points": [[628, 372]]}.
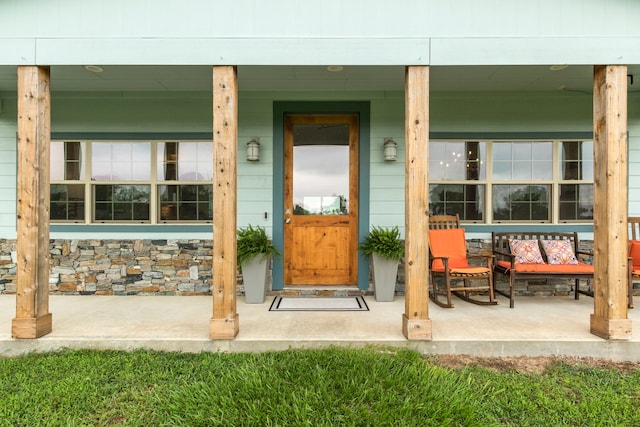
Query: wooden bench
{"points": [[505, 262]]}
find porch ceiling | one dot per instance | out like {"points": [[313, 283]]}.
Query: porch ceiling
{"points": [[314, 78]]}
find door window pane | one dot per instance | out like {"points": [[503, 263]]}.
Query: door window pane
{"points": [[321, 169]]}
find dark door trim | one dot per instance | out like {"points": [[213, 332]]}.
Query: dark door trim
{"points": [[280, 108]]}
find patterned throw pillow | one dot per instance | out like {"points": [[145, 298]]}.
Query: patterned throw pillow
{"points": [[559, 251], [526, 251]]}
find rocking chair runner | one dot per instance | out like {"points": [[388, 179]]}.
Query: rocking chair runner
{"points": [[450, 262]]}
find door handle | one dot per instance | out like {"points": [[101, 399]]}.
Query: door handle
{"points": [[287, 221]]}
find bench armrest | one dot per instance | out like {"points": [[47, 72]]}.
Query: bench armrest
{"points": [[588, 253], [506, 254]]}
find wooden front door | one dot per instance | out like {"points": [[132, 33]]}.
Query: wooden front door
{"points": [[321, 200]]}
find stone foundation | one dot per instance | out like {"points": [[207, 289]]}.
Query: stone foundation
{"points": [[120, 267], [175, 267]]}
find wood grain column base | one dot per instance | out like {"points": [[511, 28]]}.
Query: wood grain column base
{"points": [[224, 329], [611, 329], [417, 329], [31, 327]]}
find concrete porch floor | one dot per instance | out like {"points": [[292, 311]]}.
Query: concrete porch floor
{"points": [[537, 326]]}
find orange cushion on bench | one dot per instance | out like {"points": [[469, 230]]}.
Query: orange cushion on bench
{"points": [[580, 268], [634, 253]]}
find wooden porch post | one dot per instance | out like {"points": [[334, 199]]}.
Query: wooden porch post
{"points": [[609, 319], [416, 324], [225, 319], [33, 319]]}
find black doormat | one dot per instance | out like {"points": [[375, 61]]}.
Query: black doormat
{"points": [[291, 303]]}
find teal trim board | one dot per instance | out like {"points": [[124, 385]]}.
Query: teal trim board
{"points": [[133, 136], [286, 107], [135, 230], [567, 227]]}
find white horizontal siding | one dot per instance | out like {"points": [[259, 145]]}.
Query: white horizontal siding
{"points": [[8, 168], [514, 112], [291, 32], [331, 18], [634, 158]]}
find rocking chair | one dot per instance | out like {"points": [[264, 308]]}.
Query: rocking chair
{"points": [[634, 254], [450, 263]]}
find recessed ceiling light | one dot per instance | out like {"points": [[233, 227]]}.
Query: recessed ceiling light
{"points": [[558, 67], [335, 68], [94, 68]]}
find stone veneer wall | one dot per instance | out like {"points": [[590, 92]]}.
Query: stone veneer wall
{"points": [[120, 267], [172, 267]]}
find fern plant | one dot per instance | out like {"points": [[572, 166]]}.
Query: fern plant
{"points": [[254, 241], [385, 242]]}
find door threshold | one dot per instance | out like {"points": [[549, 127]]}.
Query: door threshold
{"points": [[321, 291]]}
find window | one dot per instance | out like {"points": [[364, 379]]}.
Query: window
{"points": [[512, 181], [461, 170], [118, 181]]}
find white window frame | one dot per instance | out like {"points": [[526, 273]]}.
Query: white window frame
{"points": [[153, 183], [488, 182]]}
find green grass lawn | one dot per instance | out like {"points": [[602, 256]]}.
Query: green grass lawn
{"points": [[335, 386]]}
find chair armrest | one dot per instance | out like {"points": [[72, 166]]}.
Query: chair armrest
{"points": [[488, 258], [445, 261]]}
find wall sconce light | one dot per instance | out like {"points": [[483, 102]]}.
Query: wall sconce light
{"points": [[253, 150], [390, 150]]}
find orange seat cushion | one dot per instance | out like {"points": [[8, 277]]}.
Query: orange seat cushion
{"points": [[470, 270], [634, 253], [581, 268], [450, 243]]}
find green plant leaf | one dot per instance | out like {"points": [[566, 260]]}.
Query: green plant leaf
{"points": [[385, 242], [252, 242]]}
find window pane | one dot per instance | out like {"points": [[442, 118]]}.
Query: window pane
{"points": [[576, 202], [121, 161], [462, 199], [502, 152], [577, 160], [186, 202], [522, 161], [66, 161], [521, 203], [457, 161], [57, 161], [122, 202], [185, 161], [67, 202]]}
